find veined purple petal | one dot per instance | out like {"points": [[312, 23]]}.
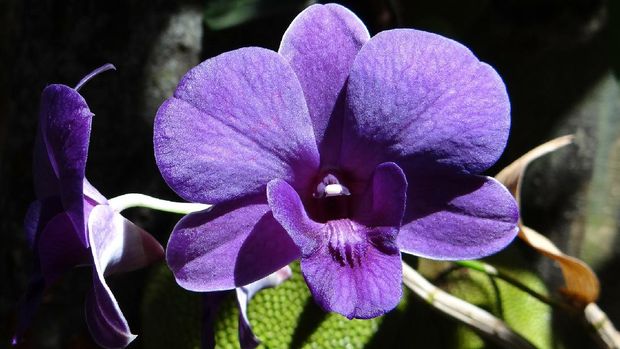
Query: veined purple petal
{"points": [[116, 245], [457, 217], [362, 286], [59, 249], [235, 122], [234, 244], [350, 268], [320, 44], [65, 122], [422, 100]]}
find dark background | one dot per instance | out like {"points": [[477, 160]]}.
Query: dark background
{"points": [[557, 58]]}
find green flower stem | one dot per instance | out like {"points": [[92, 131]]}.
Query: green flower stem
{"points": [[126, 201], [478, 319], [494, 272], [602, 328]]}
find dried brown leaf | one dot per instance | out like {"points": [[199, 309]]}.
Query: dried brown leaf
{"points": [[582, 285], [512, 175]]}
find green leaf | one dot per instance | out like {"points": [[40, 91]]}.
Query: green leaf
{"points": [[222, 14]]}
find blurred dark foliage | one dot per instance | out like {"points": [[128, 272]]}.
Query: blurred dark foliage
{"points": [[554, 55]]}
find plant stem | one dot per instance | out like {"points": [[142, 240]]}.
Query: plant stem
{"points": [[494, 272], [467, 313], [126, 201]]}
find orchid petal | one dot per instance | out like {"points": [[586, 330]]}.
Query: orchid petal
{"points": [[321, 44], [422, 100], [350, 268], [234, 244], [58, 248], [121, 245], [455, 217], [93, 194], [46, 183], [104, 318], [65, 122], [383, 203], [235, 122], [116, 245], [39, 213]]}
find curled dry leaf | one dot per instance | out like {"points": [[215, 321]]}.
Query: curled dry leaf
{"points": [[582, 285], [512, 175]]}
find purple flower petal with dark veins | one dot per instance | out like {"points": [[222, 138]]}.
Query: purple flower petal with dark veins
{"points": [[71, 223], [249, 121], [404, 123], [423, 101], [457, 217], [320, 45], [351, 268], [64, 123], [232, 245]]}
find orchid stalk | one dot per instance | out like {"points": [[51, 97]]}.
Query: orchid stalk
{"points": [[125, 201]]}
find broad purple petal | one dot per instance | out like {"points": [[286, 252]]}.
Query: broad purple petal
{"points": [[59, 249], [235, 122], [232, 245], [321, 44], [65, 122], [423, 100], [116, 245], [457, 217], [350, 268]]}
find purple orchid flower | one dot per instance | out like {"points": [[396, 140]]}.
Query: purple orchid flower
{"points": [[71, 223], [339, 149]]}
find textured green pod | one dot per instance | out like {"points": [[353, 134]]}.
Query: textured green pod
{"points": [[287, 317]]}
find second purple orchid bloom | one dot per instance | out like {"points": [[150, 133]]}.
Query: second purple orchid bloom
{"points": [[71, 224], [339, 149]]}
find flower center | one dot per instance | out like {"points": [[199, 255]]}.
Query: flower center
{"points": [[330, 186], [330, 200]]}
